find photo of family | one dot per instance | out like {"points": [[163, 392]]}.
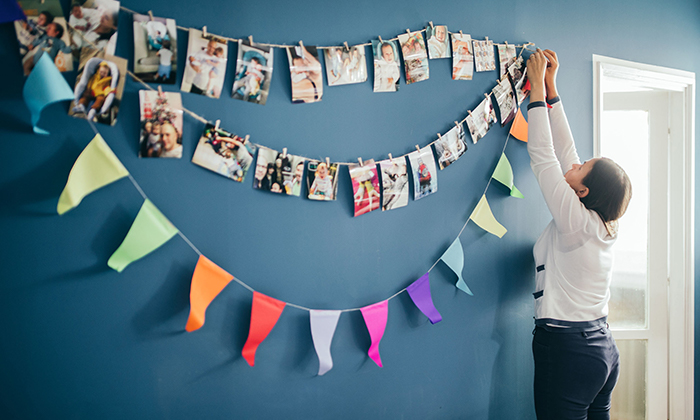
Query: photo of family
{"points": [[155, 49], [44, 31], [98, 89], [415, 58], [424, 172], [386, 66], [224, 153], [253, 72], [484, 59], [503, 92], [462, 57], [278, 172], [365, 187], [394, 183], [322, 180], [438, 41], [93, 28], [506, 53], [481, 119], [451, 146], [307, 76], [161, 124], [518, 78], [345, 65], [205, 65]]}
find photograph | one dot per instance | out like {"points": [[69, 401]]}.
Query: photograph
{"points": [[306, 73], [224, 153], [322, 180], [424, 172], [44, 31], [345, 65], [92, 25], [415, 58], [462, 57], [484, 59], [394, 183], [451, 146], [253, 72], [98, 89], [506, 53], [161, 124], [205, 65], [278, 172], [481, 119], [518, 77], [365, 187], [438, 41], [155, 49], [386, 66], [503, 92]]}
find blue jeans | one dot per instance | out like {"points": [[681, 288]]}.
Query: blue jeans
{"points": [[575, 373]]}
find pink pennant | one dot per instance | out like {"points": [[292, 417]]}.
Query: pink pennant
{"points": [[375, 317], [264, 315]]}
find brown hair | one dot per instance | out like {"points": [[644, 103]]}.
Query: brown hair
{"points": [[609, 191]]}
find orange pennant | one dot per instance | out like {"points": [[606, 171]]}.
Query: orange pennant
{"points": [[264, 315], [208, 281], [519, 127]]}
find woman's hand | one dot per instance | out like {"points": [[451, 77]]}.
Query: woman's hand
{"points": [[550, 75], [536, 68]]}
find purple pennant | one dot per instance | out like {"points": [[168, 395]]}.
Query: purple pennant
{"points": [[10, 11], [419, 291]]}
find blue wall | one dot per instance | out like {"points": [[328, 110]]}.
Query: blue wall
{"points": [[81, 341]]}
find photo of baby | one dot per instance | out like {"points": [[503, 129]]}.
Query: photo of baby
{"points": [[394, 183], [415, 58], [424, 173], [438, 41], [484, 59], [224, 153], [93, 27], [345, 65], [462, 57], [506, 53], [43, 32], [503, 92], [322, 180], [253, 72], [386, 66], [365, 187], [451, 146], [278, 172], [307, 76], [98, 89], [155, 49], [518, 77], [205, 65], [481, 119], [161, 124]]}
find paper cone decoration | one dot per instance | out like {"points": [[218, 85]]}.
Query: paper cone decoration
{"points": [[375, 317], [323, 325], [419, 291], [483, 217], [96, 167], [504, 175], [454, 258], [263, 317], [10, 11], [208, 281], [149, 231], [519, 127], [44, 86]]}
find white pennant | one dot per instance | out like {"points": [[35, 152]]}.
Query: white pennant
{"points": [[323, 325]]}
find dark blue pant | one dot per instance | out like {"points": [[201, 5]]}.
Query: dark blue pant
{"points": [[575, 373]]}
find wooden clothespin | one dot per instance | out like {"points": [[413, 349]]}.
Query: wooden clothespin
{"points": [[460, 33], [470, 113], [160, 92], [440, 136], [431, 25], [301, 44], [361, 162], [284, 153], [506, 43], [328, 162], [150, 14], [487, 39], [204, 31], [216, 127], [487, 95], [346, 46], [247, 137], [408, 31], [390, 157], [418, 148], [250, 39], [380, 40], [456, 123]]}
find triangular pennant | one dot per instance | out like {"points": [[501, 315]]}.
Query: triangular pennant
{"points": [[419, 291], [263, 317], [96, 167], [375, 317], [504, 175], [10, 11], [44, 86], [483, 217], [454, 258], [208, 281], [323, 325], [149, 231], [519, 127]]}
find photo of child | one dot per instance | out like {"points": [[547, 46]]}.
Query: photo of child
{"points": [[305, 69], [506, 53], [481, 119], [424, 173], [484, 59], [386, 66], [345, 65], [518, 77], [503, 92], [43, 32], [415, 58], [278, 172], [155, 49], [253, 72], [394, 183], [98, 89], [438, 41], [462, 57], [161, 124], [451, 146], [365, 187], [322, 180], [205, 65], [93, 27], [224, 153]]}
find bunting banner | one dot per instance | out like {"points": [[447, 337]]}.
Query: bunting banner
{"points": [[519, 127], [504, 174], [208, 281], [454, 258], [323, 325], [483, 217], [44, 86], [375, 317], [149, 231], [96, 167], [263, 317], [419, 291]]}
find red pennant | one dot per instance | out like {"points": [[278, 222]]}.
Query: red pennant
{"points": [[208, 281], [264, 315]]}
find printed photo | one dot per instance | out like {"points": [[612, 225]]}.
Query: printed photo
{"points": [[322, 180], [44, 31], [224, 153], [278, 172], [506, 53], [481, 119], [253, 72], [98, 89], [518, 77], [424, 173], [394, 183], [415, 58], [503, 92], [305, 69], [386, 66], [438, 41], [155, 49], [451, 146], [365, 187], [345, 65], [484, 59], [161, 124], [462, 57], [205, 65], [93, 28]]}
